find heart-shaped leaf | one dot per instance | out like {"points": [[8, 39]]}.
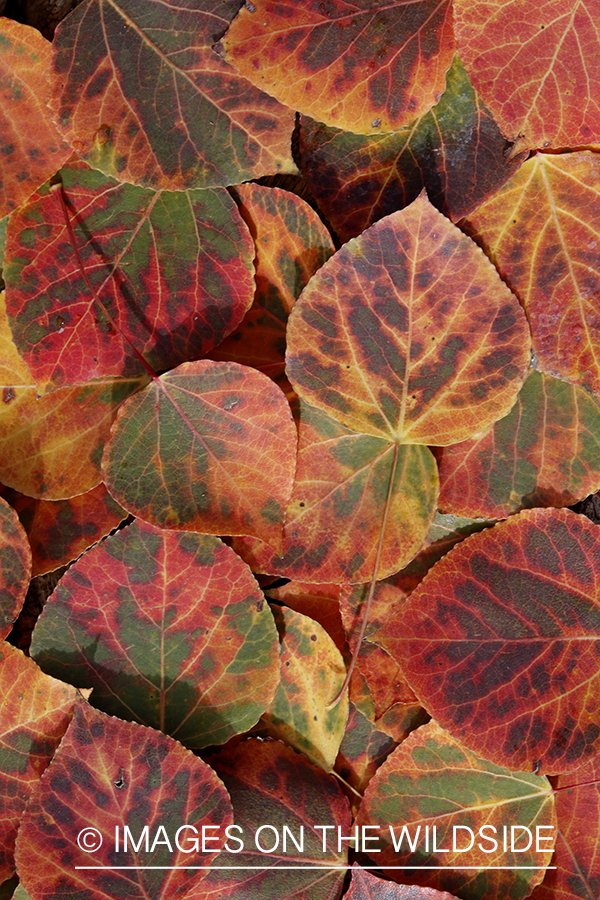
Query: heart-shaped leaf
{"points": [[34, 713], [431, 781], [210, 447], [173, 270], [31, 147], [109, 775], [363, 67], [15, 567], [169, 629], [545, 452], [500, 641], [139, 92]]}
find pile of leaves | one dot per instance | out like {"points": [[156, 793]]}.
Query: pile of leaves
{"points": [[337, 432]]}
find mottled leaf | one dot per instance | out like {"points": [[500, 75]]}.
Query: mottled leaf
{"points": [[363, 67], [210, 447], [334, 519], [455, 151], [432, 781], [363, 749], [34, 713], [545, 452], [577, 872], [320, 602], [291, 244], [407, 333], [312, 673], [110, 774], [15, 567], [271, 784], [542, 231], [169, 629], [61, 530], [365, 886], [537, 70], [501, 641], [30, 145], [51, 447], [173, 270], [141, 95]]}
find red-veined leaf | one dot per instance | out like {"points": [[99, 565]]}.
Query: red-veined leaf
{"points": [[365, 886], [363, 749], [30, 145], [320, 602], [291, 244], [210, 446], [139, 92], [109, 774], [312, 672], [170, 629], [61, 530], [363, 67], [501, 641], [407, 333], [333, 524], [173, 269], [455, 151], [15, 567], [536, 70], [271, 784], [432, 780], [397, 720], [542, 231], [34, 713], [545, 452], [577, 873]]}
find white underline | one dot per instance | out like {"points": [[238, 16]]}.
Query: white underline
{"points": [[332, 868]]}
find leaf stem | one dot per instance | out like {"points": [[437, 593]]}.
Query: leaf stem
{"points": [[365, 620], [57, 189]]}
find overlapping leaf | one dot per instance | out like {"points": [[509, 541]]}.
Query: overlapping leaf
{"points": [[173, 270], [109, 774], [291, 244], [141, 95], [271, 784], [34, 713], [363, 749], [455, 150], [15, 567], [210, 447], [542, 230], [546, 452], [577, 861], [334, 519], [30, 145], [432, 781], [408, 334], [61, 530], [169, 629], [365, 886], [312, 673], [362, 67], [537, 73], [500, 641], [50, 448], [320, 602]]}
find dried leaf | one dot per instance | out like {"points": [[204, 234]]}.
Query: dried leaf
{"points": [[31, 147], [320, 602], [15, 567], [140, 94], [110, 774], [34, 713], [432, 780], [365, 886], [363, 67], [173, 270], [363, 749], [500, 641], [545, 452], [209, 446], [169, 629]]}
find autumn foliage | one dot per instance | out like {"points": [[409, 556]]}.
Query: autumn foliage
{"points": [[300, 373]]}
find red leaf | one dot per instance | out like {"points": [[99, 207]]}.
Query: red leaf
{"points": [[365, 886], [15, 567]]}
